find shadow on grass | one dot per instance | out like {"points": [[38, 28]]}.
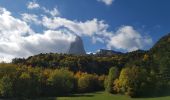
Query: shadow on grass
{"points": [[157, 96], [43, 98], [150, 96], [49, 98], [55, 98], [80, 95]]}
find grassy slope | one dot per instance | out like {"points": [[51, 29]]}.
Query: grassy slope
{"points": [[103, 96]]}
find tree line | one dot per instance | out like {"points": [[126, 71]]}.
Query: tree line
{"points": [[136, 74], [28, 82]]}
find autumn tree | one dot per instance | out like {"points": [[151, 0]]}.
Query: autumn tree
{"points": [[133, 81], [113, 74]]}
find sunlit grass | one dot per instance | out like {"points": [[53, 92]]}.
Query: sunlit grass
{"points": [[102, 96]]}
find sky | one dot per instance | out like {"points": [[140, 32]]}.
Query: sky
{"points": [[29, 27]]}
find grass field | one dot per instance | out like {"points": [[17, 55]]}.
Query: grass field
{"points": [[102, 96]]}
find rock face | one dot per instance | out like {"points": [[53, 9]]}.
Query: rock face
{"points": [[77, 47]]}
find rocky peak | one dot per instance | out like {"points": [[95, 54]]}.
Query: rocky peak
{"points": [[77, 47]]}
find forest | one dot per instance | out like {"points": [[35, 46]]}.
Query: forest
{"points": [[136, 74]]}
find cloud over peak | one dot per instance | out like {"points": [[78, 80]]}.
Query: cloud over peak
{"points": [[107, 2]]}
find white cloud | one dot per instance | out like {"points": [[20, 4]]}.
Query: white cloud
{"points": [[107, 2], [53, 12], [33, 5], [87, 28], [18, 40], [30, 18], [10, 25], [97, 39], [128, 39]]}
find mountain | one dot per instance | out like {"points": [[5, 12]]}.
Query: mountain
{"points": [[77, 47], [104, 52]]}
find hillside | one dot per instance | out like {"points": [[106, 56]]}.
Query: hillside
{"points": [[99, 64], [163, 45], [136, 74], [161, 55]]}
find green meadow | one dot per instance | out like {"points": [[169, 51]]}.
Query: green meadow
{"points": [[102, 96]]}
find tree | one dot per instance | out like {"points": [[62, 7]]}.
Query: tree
{"points": [[88, 83], [61, 82], [133, 81], [6, 86], [113, 74]]}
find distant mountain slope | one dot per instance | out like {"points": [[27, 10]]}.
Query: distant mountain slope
{"points": [[104, 52]]}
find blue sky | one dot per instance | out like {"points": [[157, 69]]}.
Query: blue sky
{"points": [[121, 25]]}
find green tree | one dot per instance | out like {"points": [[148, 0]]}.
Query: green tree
{"points": [[133, 81], [113, 74], [61, 82], [27, 83], [6, 86], [88, 83]]}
